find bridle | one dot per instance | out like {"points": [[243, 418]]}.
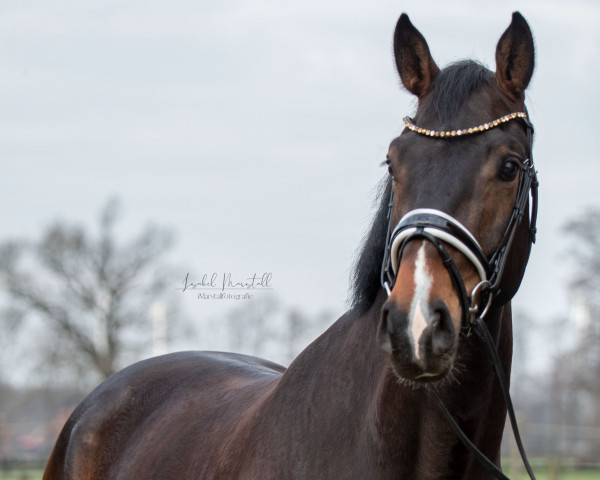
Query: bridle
{"points": [[440, 228]]}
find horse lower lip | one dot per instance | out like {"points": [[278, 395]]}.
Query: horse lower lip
{"points": [[404, 368], [426, 376]]}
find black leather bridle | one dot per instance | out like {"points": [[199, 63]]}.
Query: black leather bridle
{"points": [[440, 229]]}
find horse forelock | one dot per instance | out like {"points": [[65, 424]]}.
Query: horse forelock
{"points": [[453, 87]]}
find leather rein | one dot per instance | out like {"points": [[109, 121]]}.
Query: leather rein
{"points": [[439, 228]]}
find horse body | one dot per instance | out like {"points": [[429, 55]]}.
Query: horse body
{"points": [[345, 416], [357, 402]]}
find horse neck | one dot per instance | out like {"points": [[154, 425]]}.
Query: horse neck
{"points": [[345, 375]]}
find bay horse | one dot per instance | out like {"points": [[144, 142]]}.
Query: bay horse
{"points": [[448, 246]]}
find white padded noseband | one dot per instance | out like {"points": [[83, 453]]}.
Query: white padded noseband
{"points": [[399, 237]]}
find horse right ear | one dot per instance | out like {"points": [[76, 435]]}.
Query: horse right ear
{"points": [[413, 60]]}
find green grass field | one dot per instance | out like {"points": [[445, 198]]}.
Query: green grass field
{"points": [[551, 469], [22, 474], [567, 475]]}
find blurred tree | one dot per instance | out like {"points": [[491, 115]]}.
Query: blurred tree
{"points": [[90, 293], [577, 373]]}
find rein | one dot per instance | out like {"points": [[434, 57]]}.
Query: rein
{"points": [[437, 227]]}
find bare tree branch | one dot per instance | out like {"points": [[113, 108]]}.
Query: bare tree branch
{"points": [[88, 290]]}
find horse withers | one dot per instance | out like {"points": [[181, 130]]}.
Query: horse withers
{"points": [[448, 246]]}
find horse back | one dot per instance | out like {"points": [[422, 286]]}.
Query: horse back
{"points": [[167, 407]]}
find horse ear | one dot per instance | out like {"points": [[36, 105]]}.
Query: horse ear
{"points": [[515, 58], [414, 63]]}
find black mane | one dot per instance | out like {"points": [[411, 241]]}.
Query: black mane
{"points": [[367, 269], [450, 90]]}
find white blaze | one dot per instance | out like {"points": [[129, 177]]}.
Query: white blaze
{"points": [[417, 317]]}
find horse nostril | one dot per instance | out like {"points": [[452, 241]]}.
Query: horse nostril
{"points": [[442, 329]]}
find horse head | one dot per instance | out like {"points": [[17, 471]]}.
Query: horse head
{"points": [[461, 175]]}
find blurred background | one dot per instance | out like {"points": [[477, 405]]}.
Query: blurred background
{"points": [[146, 147]]}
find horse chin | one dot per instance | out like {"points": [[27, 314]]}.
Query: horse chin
{"points": [[418, 373]]}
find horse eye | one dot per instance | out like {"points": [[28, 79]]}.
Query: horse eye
{"points": [[508, 171], [388, 162]]}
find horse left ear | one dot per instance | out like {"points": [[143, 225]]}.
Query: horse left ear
{"points": [[515, 58]]}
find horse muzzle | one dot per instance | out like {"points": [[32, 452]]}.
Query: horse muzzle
{"points": [[421, 319], [427, 304]]}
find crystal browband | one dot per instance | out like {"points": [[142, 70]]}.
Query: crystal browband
{"points": [[467, 131]]}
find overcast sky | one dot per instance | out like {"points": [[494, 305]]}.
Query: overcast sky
{"points": [[255, 129]]}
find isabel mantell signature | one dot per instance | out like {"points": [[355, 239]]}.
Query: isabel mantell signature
{"points": [[226, 281]]}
